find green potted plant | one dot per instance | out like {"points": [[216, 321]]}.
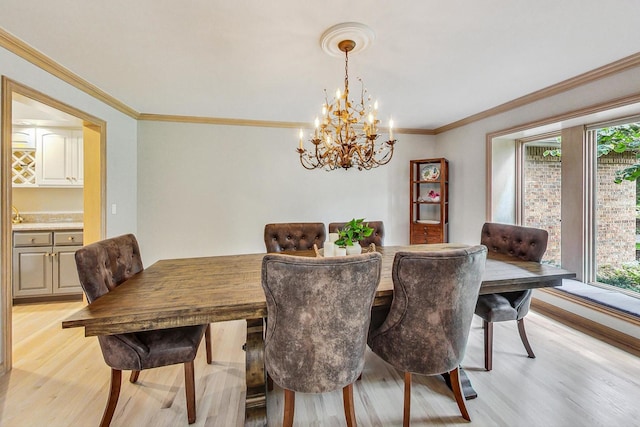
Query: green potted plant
{"points": [[351, 234]]}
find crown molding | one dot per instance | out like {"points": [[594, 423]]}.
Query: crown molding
{"points": [[247, 122], [37, 58], [218, 121], [623, 64], [568, 115], [414, 131]]}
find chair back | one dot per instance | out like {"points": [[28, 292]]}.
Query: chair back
{"points": [[376, 237], [434, 296], [525, 243], [319, 311], [106, 264], [293, 236], [102, 266]]}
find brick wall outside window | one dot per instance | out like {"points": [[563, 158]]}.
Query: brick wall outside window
{"points": [[616, 205]]}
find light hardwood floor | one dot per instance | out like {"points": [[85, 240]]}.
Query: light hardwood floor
{"points": [[60, 379]]}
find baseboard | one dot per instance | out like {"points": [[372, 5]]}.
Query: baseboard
{"points": [[597, 330]]}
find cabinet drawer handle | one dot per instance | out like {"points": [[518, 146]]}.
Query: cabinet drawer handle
{"points": [[33, 240], [71, 238]]}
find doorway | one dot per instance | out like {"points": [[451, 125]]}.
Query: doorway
{"points": [[93, 193]]}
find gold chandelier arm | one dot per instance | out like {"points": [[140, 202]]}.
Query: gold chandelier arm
{"points": [[304, 160], [388, 155]]}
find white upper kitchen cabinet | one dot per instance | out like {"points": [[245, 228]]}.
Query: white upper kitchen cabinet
{"points": [[59, 157]]}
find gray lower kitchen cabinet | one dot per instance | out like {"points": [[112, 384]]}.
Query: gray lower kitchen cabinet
{"points": [[44, 263]]}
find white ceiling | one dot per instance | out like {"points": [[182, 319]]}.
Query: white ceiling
{"points": [[25, 111], [433, 62]]}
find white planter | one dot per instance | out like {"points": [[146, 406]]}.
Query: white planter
{"points": [[356, 249], [329, 249]]}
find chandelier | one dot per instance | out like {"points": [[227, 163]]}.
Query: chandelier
{"points": [[346, 134]]}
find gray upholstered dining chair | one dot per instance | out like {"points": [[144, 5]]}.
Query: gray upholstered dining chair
{"points": [[527, 244], [377, 237], [104, 265], [427, 327], [293, 236], [319, 311]]}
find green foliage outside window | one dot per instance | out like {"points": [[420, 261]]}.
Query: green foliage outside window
{"points": [[618, 139], [625, 277]]}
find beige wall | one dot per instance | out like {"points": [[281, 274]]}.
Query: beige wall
{"points": [[503, 173], [209, 189], [35, 200]]}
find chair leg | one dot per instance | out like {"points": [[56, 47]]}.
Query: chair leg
{"points": [[289, 407], [406, 415], [349, 410], [134, 376], [207, 343], [114, 393], [190, 390], [488, 344], [456, 387], [523, 337]]}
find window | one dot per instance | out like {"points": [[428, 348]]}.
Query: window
{"points": [[578, 182], [616, 204], [540, 187]]}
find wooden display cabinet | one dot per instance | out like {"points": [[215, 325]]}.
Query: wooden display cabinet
{"points": [[429, 201]]}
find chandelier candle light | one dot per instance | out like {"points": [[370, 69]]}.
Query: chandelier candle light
{"points": [[345, 136]]}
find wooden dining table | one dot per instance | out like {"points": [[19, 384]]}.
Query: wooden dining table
{"points": [[194, 291]]}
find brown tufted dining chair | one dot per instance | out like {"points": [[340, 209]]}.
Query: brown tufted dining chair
{"points": [[376, 237], [319, 311], [427, 327], [293, 236], [527, 244], [104, 265]]}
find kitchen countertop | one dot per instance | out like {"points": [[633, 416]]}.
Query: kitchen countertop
{"points": [[47, 226]]}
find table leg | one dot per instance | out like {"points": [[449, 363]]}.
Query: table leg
{"points": [[255, 412], [465, 382]]}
